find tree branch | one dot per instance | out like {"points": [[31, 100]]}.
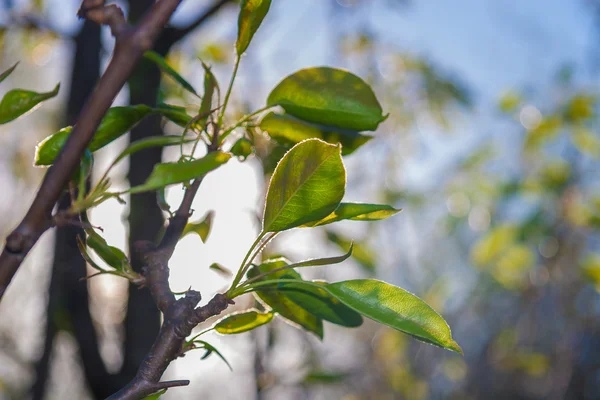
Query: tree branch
{"points": [[130, 46]]}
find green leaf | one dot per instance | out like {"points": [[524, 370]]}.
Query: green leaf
{"points": [[361, 252], [220, 269], [242, 322], [113, 256], [282, 304], [329, 96], [149, 142], [210, 84], [18, 101], [357, 212], [176, 114], [116, 122], [307, 185], [201, 227], [242, 148], [165, 174], [167, 69], [288, 130], [397, 308], [209, 350], [156, 395], [321, 304], [9, 71], [320, 377], [252, 13]]}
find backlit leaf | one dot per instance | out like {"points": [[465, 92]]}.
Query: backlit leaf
{"points": [[252, 13], [9, 71], [395, 307], [165, 174], [357, 212], [167, 69], [307, 185], [242, 322], [288, 130], [18, 101], [200, 227], [329, 96]]}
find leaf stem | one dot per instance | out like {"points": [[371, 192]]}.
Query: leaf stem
{"points": [[241, 121], [229, 89], [248, 289]]}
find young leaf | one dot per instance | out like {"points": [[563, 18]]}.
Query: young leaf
{"points": [[329, 96], [209, 350], [176, 114], [220, 270], [307, 185], [321, 304], [282, 304], [201, 227], [242, 148], [395, 307], [357, 212], [9, 71], [116, 122], [152, 141], [170, 173], [252, 13], [110, 254], [210, 84], [288, 130], [18, 101], [242, 322], [167, 69]]}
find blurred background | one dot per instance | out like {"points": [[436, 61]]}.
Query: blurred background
{"points": [[491, 150]]}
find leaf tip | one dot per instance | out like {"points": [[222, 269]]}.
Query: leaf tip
{"points": [[455, 347]]}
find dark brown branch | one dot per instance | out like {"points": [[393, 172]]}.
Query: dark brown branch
{"points": [[128, 51]]}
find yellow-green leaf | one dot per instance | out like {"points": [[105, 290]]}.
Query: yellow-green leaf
{"points": [[18, 101], [252, 13], [242, 322]]}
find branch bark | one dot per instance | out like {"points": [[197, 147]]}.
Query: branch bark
{"points": [[131, 43]]}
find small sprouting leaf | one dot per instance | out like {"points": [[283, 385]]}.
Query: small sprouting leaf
{"points": [[9, 71], [357, 212], [242, 148], [201, 344], [307, 185], [321, 304], [18, 101], [282, 304], [242, 322], [395, 307], [201, 227], [116, 122], [220, 269], [329, 96], [288, 130], [167, 69], [170, 173], [252, 13]]}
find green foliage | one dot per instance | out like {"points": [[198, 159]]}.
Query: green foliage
{"points": [[9, 71], [18, 101], [117, 122], [242, 148], [357, 212], [156, 395], [184, 171], [329, 96], [307, 185], [167, 69], [195, 343], [280, 303], [288, 130], [242, 322], [395, 307], [252, 13], [200, 227]]}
